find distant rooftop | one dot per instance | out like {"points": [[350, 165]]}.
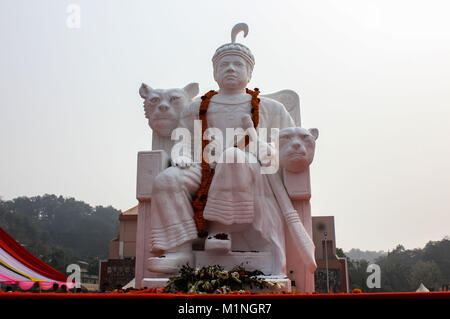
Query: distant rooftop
{"points": [[131, 211]]}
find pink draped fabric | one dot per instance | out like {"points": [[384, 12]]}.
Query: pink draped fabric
{"points": [[25, 285], [44, 285], [6, 280], [68, 284], [20, 266], [24, 257], [12, 275]]}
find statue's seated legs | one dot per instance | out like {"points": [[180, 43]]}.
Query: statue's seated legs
{"points": [[230, 205], [172, 225]]}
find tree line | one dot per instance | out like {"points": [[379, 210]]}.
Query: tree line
{"points": [[59, 230], [404, 270]]}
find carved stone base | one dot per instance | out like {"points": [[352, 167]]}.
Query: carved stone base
{"points": [[249, 260]]}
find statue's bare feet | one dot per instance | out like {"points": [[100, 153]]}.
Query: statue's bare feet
{"points": [[170, 262], [218, 242]]}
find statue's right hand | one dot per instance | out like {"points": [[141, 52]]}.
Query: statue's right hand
{"points": [[182, 162]]}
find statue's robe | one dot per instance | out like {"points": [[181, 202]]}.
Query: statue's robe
{"points": [[239, 193]]}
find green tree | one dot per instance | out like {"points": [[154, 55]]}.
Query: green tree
{"points": [[357, 272], [60, 230], [340, 253], [426, 272]]}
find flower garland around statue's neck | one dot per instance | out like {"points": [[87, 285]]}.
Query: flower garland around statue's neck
{"points": [[199, 202]]}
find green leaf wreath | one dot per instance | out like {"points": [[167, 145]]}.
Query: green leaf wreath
{"points": [[214, 279]]}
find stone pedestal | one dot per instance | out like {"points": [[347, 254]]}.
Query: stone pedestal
{"points": [[280, 284], [298, 187], [149, 164], [249, 260]]}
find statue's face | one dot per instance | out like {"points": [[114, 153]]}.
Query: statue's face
{"points": [[232, 72]]}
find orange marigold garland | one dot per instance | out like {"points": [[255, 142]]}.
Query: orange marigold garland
{"points": [[199, 202]]}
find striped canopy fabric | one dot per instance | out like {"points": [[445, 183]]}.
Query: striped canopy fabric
{"points": [[19, 266]]}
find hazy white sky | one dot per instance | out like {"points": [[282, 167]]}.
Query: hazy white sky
{"points": [[373, 76]]}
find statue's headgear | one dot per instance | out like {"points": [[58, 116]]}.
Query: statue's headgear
{"points": [[234, 48]]}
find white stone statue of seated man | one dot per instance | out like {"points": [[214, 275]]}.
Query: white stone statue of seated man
{"points": [[241, 211]]}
